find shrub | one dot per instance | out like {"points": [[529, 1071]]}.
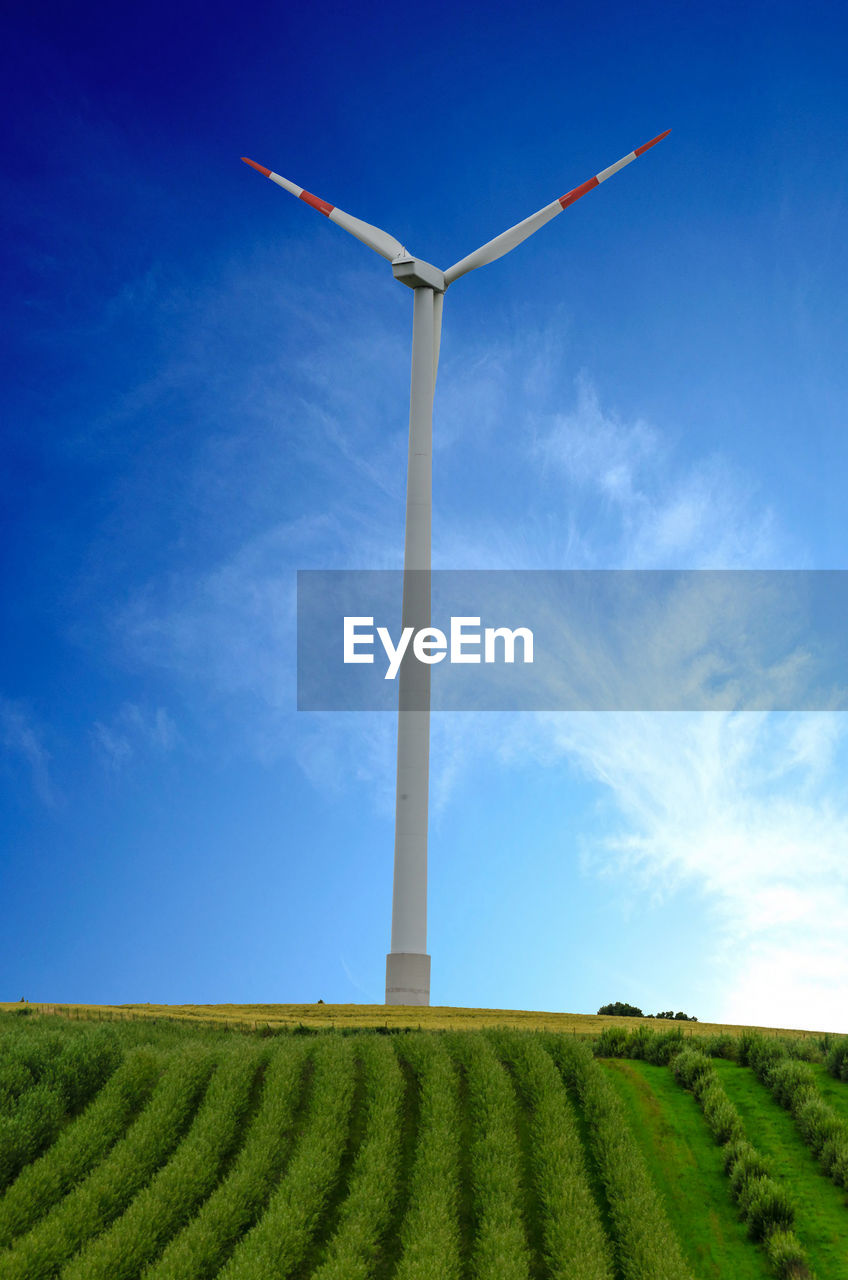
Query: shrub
{"points": [[837, 1058], [747, 1166], [817, 1123], [720, 1113], [722, 1045], [689, 1067], [764, 1054], [662, 1046], [613, 1042], [734, 1150], [833, 1158], [788, 1078], [765, 1207], [621, 1010], [786, 1255], [802, 1048]]}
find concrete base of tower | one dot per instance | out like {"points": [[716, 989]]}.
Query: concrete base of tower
{"points": [[407, 978]]}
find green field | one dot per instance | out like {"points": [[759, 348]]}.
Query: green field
{"points": [[148, 1147], [253, 1017]]}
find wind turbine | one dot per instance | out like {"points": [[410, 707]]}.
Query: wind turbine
{"points": [[408, 964]]}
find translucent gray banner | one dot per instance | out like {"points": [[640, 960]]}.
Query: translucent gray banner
{"points": [[599, 640]]}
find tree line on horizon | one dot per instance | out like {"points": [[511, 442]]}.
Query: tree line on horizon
{"points": [[622, 1010]]}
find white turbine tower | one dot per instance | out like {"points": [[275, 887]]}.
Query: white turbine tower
{"points": [[408, 964]]}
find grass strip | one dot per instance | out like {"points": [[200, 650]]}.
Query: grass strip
{"points": [[575, 1242], [168, 1200], [97, 1201], [793, 1084], [430, 1238], [765, 1205], [366, 1212], [200, 1250], [499, 1249], [646, 1246], [80, 1146], [821, 1220], [278, 1242]]}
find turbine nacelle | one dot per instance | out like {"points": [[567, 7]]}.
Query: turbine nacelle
{"points": [[417, 273]]}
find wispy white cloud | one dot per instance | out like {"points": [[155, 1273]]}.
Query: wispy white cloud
{"points": [[748, 810], [23, 740], [132, 730]]}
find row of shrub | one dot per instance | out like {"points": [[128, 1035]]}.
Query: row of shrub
{"points": [[660, 1046], [794, 1086], [646, 1246], [650, 1046], [763, 1202], [801, 1048], [576, 1246]]}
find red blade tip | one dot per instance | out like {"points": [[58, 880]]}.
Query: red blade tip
{"points": [[647, 146], [259, 167]]}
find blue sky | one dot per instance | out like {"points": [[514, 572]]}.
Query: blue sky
{"points": [[206, 389]]}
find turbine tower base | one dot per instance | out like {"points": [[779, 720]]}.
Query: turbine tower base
{"points": [[407, 978]]}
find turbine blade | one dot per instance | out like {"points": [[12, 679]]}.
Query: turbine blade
{"points": [[508, 240], [438, 303], [380, 241]]}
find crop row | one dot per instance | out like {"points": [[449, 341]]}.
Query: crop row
{"points": [[499, 1250], [502, 1156], [646, 1246], [44, 1080], [80, 1146], [37, 1055], [97, 1201], [171, 1196], [430, 1236], [372, 1189], [205, 1244], [575, 1242], [280, 1239]]}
